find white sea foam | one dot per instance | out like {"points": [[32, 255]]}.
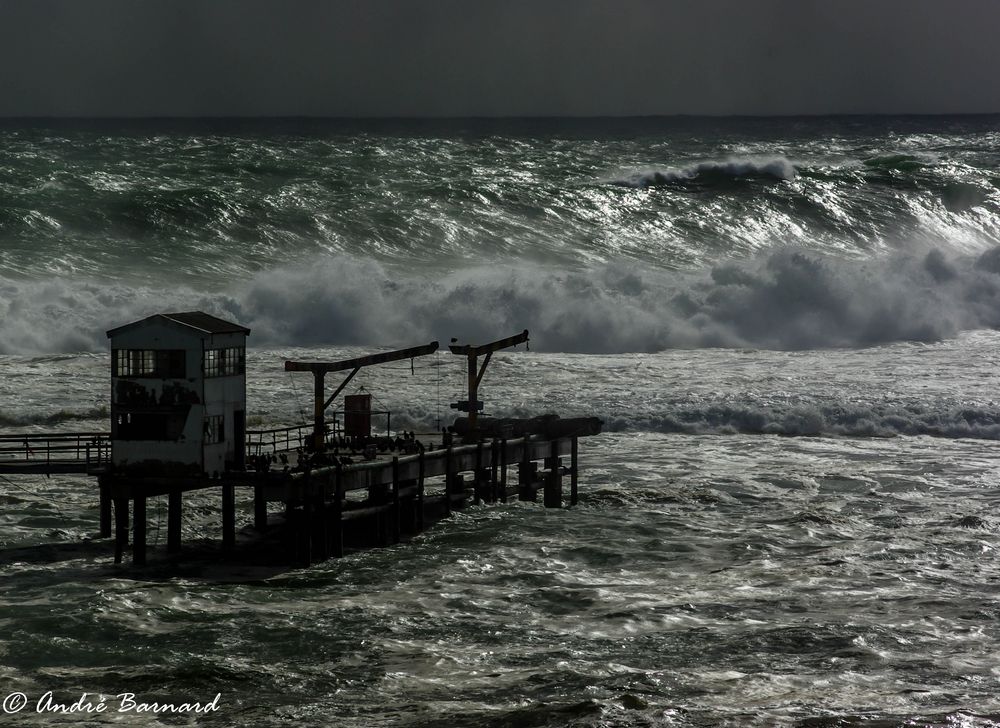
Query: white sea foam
{"points": [[777, 168], [788, 300]]}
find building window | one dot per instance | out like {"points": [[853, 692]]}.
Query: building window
{"points": [[147, 426], [148, 363], [225, 362], [215, 429]]}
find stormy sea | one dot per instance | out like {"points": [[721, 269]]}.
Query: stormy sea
{"points": [[788, 326]]}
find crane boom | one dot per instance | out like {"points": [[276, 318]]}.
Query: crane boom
{"points": [[320, 369], [476, 373]]}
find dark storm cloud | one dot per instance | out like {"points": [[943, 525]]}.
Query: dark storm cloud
{"points": [[496, 57]]}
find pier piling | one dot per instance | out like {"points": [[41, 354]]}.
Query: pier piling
{"points": [[139, 531], [259, 509], [105, 506], [228, 515], [553, 480], [477, 479], [395, 500], [121, 527], [503, 470], [526, 473], [337, 532], [420, 491], [305, 533], [494, 470], [174, 521], [573, 464], [321, 532], [449, 475]]}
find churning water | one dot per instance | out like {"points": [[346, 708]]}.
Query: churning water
{"points": [[788, 327]]}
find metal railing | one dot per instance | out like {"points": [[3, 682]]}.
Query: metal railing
{"points": [[285, 439], [278, 439], [90, 449], [93, 449]]}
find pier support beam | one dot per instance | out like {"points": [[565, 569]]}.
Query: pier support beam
{"points": [[321, 537], [503, 470], [494, 470], [449, 476], [121, 527], [477, 475], [553, 480], [526, 474], [228, 515], [259, 509], [573, 464], [139, 531], [420, 492], [395, 501], [105, 506], [174, 521], [337, 523], [305, 530]]}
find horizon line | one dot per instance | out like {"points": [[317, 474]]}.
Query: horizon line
{"points": [[483, 118]]}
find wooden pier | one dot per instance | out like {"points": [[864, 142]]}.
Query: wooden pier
{"points": [[178, 425], [368, 503]]}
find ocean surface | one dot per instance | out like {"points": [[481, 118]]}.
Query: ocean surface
{"points": [[789, 327]]}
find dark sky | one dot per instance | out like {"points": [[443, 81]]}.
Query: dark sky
{"points": [[497, 57]]}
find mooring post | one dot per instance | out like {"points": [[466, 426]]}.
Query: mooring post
{"points": [[104, 488], [139, 531], [395, 500], [174, 520], [449, 474], [121, 527], [573, 462], [503, 470], [553, 481], [228, 515], [420, 491], [259, 508]]}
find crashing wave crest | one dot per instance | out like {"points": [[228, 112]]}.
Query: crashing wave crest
{"points": [[777, 168], [785, 300]]}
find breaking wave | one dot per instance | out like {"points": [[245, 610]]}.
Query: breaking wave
{"points": [[712, 172], [785, 300], [801, 420], [832, 420], [28, 419]]}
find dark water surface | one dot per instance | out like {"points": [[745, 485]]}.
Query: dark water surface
{"points": [[788, 327]]}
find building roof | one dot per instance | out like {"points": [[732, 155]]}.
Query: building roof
{"points": [[197, 320]]}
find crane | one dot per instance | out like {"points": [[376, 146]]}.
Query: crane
{"points": [[476, 372], [321, 369]]}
